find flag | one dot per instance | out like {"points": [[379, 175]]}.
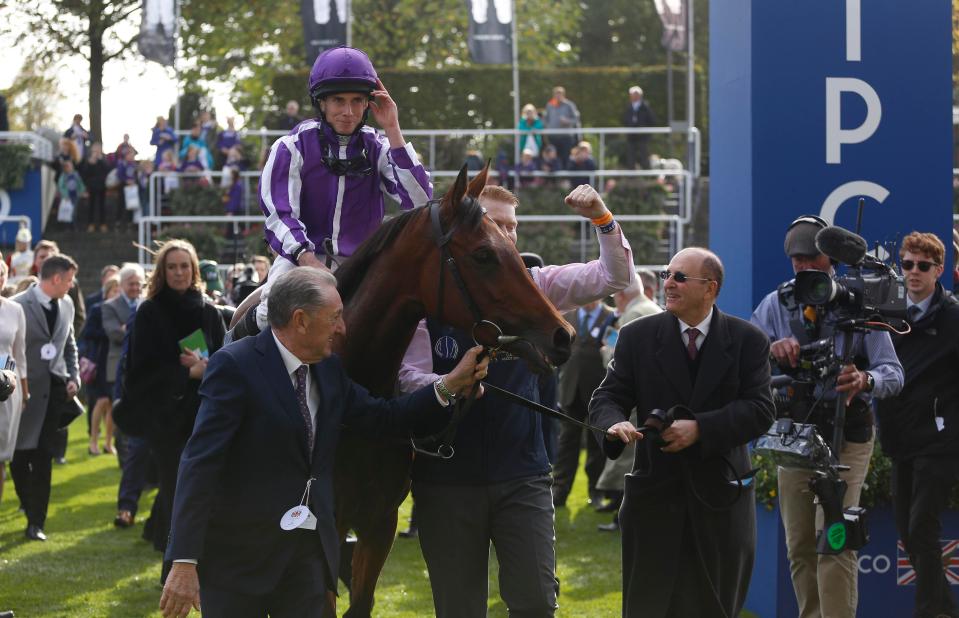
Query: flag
{"points": [[673, 15], [157, 40], [324, 26], [906, 573], [490, 39]]}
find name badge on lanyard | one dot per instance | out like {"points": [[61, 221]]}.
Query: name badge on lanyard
{"points": [[300, 515]]}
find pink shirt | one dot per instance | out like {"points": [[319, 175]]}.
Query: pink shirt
{"points": [[567, 287]]}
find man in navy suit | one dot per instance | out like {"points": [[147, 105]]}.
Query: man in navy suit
{"points": [[253, 529]]}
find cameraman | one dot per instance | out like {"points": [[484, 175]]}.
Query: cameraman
{"points": [[825, 585], [919, 428]]}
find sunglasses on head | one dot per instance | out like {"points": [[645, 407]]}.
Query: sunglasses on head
{"points": [[679, 276], [923, 265]]}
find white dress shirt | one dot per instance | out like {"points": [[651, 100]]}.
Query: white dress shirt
{"points": [[292, 363], [702, 327]]}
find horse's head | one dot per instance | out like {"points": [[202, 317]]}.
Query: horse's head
{"points": [[484, 286]]}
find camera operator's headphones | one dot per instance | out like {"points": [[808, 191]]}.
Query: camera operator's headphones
{"points": [[812, 220]]}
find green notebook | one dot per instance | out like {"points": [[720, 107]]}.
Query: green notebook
{"points": [[195, 342]]}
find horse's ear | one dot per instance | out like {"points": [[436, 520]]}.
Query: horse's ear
{"points": [[455, 195], [479, 181]]}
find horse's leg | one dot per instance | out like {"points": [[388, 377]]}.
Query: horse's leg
{"points": [[372, 548]]}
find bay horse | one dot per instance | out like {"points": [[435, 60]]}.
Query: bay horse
{"points": [[399, 276]]}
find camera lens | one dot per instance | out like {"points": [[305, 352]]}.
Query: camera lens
{"points": [[814, 287]]}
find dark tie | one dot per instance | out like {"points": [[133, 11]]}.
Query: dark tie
{"points": [[301, 399], [691, 348], [584, 326], [914, 312], [52, 312]]}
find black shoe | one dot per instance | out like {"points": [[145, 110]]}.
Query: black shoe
{"points": [[61, 460], [8, 614], [610, 527], [412, 533], [35, 533]]}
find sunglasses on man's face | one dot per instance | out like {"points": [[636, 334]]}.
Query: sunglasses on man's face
{"points": [[679, 276], [923, 265]]}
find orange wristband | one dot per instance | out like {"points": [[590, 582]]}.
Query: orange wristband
{"points": [[604, 220]]}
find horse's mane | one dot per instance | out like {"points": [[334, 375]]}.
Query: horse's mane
{"points": [[351, 273]]}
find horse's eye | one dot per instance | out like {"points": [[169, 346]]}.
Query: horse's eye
{"points": [[484, 257]]}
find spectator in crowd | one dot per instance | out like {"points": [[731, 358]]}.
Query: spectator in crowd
{"points": [[234, 162], [919, 428], [43, 250], [95, 346], [70, 187], [125, 145], [143, 182], [193, 163], [529, 122], [825, 584], [208, 132], [21, 260], [94, 171], [550, 162], [195, 140], [227, 139], [578, 378], [582, 161], [12, 345], [233, 197], [291, 117], [53, 375], [67, 151], [79, 136], [497, 487], [527, 169], [136, 461], [106, 273], [474, 160], [637, 114], [116, 316], [169, 164], [261, 264], [561, 113], [128, 174], [163, 374], [164, 138], [311, 185], [650, 284]]}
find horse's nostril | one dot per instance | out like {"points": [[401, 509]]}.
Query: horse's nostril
{"points": [[561, 339]]}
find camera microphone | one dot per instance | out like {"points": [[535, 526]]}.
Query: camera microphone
{"points": [[842, 245]]}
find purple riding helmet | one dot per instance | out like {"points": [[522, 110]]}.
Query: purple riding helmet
{"points": [[341, 69]]}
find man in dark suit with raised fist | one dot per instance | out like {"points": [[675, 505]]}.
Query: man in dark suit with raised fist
{"points": [[688, 516], [253, 526]]}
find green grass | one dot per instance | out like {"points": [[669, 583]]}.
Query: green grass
{"points": [[89, 568]]}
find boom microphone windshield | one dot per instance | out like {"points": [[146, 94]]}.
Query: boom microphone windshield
{"points": [[841, 245]]}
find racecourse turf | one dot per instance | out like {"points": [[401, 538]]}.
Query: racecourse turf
{"points": [[88, 568]]}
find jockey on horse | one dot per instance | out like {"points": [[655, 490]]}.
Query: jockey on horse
{"points": [[322, 187]]}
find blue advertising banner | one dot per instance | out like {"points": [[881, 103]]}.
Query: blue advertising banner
{"points": [[814, 104], [24, 201]]}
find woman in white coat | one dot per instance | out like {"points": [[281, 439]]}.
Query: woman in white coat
{"points": [[12, 329]]}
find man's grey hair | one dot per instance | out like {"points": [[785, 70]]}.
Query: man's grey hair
{"points": [[129, 270], [301, 288], [650, 279]]}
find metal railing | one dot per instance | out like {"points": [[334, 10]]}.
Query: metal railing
{"points": [[41, 148]]}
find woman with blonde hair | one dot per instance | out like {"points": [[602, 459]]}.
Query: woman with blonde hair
{"points": [[174, 333], [96, 346]]}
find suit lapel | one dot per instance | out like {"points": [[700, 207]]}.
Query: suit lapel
{"points": [[714, 361], [274, 372], [672, 357], [34, 304]]}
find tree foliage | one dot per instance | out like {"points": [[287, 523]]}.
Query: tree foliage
{"points": [[32, 97], [90, 29]]}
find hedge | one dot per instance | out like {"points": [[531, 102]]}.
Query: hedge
{"points": [[14, 162]]}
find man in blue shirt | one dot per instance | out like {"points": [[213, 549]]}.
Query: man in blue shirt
{"points": [[826, 585]]}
